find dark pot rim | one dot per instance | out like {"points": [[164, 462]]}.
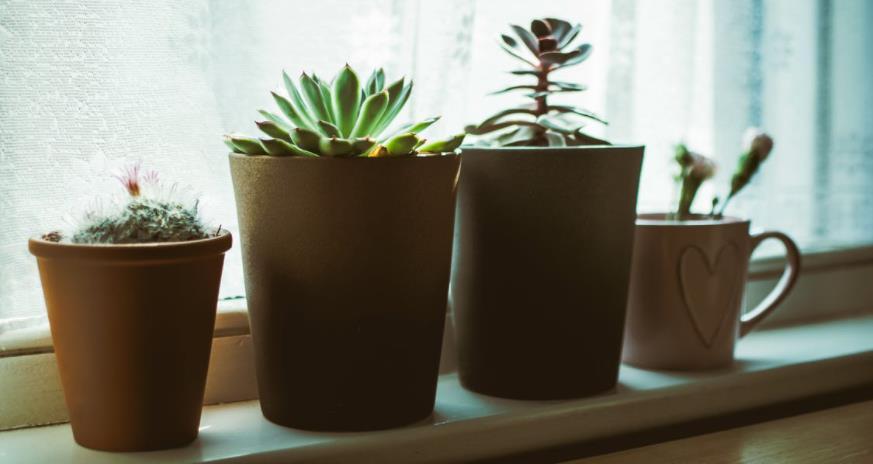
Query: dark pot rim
{"points": [[219, 244], [342, 159], [693, 220], [553, 149]]}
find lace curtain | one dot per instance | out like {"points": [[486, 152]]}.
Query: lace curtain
{"points": [[87, 86]]}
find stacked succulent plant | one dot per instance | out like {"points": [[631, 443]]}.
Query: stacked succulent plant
{"points": [[548, 46], [142, 218], [342, 118], [695, 168]]}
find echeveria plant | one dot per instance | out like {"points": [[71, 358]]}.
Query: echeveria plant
{"points": [[548, 46], [696, 168], [341, 118]]}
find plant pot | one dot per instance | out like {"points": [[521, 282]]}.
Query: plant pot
{"points": [[686, 293], [132, 331], [347, 266], [541, 266]]}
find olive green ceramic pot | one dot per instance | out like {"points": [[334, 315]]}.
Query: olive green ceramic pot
{"points": [[346, 268], [132, 332], [543, 244]]}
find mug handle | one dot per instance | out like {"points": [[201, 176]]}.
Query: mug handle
{"points": [[752, 318]]}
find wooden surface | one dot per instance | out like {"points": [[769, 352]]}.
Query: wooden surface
{"points": [[838, 435]]}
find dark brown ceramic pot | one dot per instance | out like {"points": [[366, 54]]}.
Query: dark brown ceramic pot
{"points": [[543, 245], [347, 268], [132, 331]]}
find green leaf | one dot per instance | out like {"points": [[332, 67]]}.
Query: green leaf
{"points": [[278, 120], [334, 146], [313, 95], [273, 130], [540, 28], [417, 127], [523, 72], [580, 54], [290, 111], [230, 145], [245, 144], [509, 40], [556, 125], [479, 130], [514, 87], [529, 40], [569, 36], [296, 100], [577, 111], [555, 139], [518, 135], [403, 144], [277, 147], [395, 105], [371, 113], [443, 146], [375, 82], [516, 55], [559, 27], [305, 138], [329, 129], [346, 99], [496, 117], [570, 86], [362, 145], [326, 98]]}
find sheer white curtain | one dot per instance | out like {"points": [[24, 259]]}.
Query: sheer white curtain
{"points": [[89, 85]]}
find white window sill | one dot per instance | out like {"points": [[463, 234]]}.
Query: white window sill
{"points": [[774, 365]]}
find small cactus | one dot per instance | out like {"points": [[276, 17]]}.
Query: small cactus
{"points": [[143, 218]]}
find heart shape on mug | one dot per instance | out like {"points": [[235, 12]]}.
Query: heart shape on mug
{"points": [[709, 288]]}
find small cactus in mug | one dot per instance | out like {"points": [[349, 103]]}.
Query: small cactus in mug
{"points": [[341, 118]]}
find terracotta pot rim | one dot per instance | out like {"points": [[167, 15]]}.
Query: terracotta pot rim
{"points": [[342, 159], [695, 220], [131, 251]]}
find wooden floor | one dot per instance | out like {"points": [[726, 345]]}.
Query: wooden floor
{"points": [[838, 435]]}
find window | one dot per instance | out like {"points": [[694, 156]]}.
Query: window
{"points": [[87, 86]]}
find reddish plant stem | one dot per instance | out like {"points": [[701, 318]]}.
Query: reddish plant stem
{"points": [[542, 86]]}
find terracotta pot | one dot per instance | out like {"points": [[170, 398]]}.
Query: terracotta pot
{"points": [[687, 291], [347, 267], [132, 331], [541, 266]]}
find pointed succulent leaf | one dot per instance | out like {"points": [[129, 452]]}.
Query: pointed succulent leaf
{"points": [[247, 145], [362, 145], [400, 145], [305, 138], [555, 139], [516, 55], [275, 118], [443, 146], [479, 130], [527, 37], [290, 111], [230, 145], [297, 101], [394, 106], [326, 98], [313, 95], [514, 87], [370, 86], [346, 99], [415, 128], [577, 111], [496, 117], [559, 27], [580, 54], [371, 113], [334, 146], [273, 130], [283, 148], [540, 28], [329, 129], [508, 40], [569, 36]]}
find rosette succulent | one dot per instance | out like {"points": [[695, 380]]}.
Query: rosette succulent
{"points": [[340, 118], [548, 46]]}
